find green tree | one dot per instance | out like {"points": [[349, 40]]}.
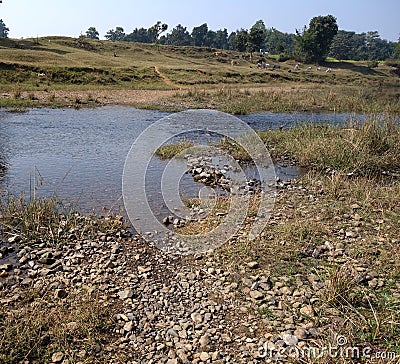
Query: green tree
{"points": [[140, 35], [312, 44], [256, 36], [232, 41], [242, 40], [179, 36], [3, 30], [92, 33], [117, 34], [277, 42], [396, 51], [157, 29], [221, 39], [199, 35]]}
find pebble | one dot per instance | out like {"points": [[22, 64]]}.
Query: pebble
{"points": [[57, 357]]}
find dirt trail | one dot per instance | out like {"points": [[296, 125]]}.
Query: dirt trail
{"points": [[166, 80]]}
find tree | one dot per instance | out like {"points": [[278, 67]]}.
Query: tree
{"points": [[199, 35], [343, 45], [221, 39], [232, 41], [139, 35], [3, 30], [256, 36], [157, 29], [92, 33], [313, 43], [377, 48], [117, 34], [277, 42], [242, 40], [179, 36], [396, 51]]}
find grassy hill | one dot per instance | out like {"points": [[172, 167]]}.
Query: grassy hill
{"points": [[61, 63]]}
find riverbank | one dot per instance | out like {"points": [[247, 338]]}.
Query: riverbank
{"points": [[324, 272], [326, 265], [234, 100]]}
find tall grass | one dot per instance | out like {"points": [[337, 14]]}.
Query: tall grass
{"points": [[44, 325], [48, 220], [370, 148]]}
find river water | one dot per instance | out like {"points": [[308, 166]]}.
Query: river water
{"points": [[79, 155]]}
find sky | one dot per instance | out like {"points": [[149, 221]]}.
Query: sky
{"points": [[31, 18]]}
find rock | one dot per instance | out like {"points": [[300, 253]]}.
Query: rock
{"points": [[14, 239], [286, 291], [172, 333], [60, 293], [57, 357], [300, 333], [307, 311], [204, 341], [128, 326], [126, 293], [256, 295], [204, 356], [196, 317], [253, 265], [6, 267], [290, 340]]}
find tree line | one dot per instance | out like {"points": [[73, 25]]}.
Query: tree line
{"points": [[311, 44]]}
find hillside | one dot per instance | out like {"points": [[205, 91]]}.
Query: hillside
{"points": [[54, 64]]}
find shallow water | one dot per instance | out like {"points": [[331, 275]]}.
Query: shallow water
{"points": [[79, 155]]}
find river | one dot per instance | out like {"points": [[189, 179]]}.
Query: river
{"points": [[79, 155]]}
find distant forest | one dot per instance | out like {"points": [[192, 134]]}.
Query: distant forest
{"points": [[346, 45]]}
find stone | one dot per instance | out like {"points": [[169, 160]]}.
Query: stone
{"points": [[204, 356], [204, 341], [300, 333], [253, 265], [307, 310], [57, 357], [126, 293], [290, 340], [128, 326], [6, 267], [60, 293], [172, 333], [256, 295], [196, 317]]}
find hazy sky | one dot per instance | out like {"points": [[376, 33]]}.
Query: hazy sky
{"points": [[31, 18]]}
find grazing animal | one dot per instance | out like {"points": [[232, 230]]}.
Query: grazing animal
{"points": [[234, 63], [297, 67], [41, 74], [328, 70], [318, 68], [217, 53], [309, 68], [276, 66]]}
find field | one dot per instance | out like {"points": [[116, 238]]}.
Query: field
{"points": [[59, 71]]}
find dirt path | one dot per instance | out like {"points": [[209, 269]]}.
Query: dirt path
{"points": [[166, 80]]}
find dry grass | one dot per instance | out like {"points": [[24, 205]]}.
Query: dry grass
{"points": [[40, 324], [369, 149]]}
